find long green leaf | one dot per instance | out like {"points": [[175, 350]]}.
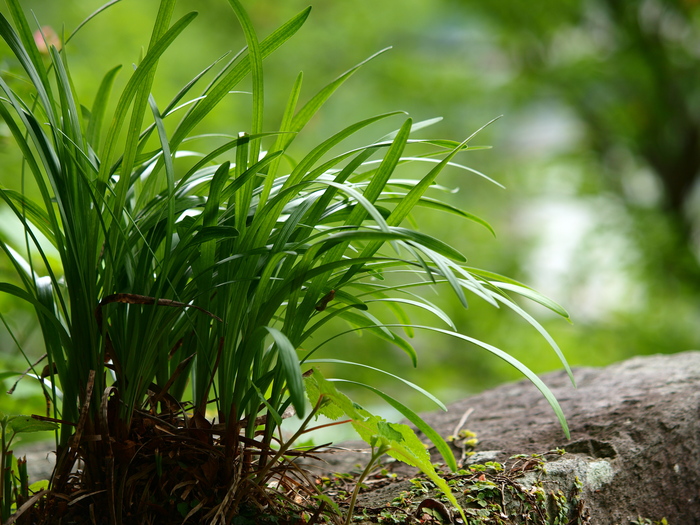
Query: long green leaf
{"points": [[290, 366], [404, 381], [255, 59], [23, 46], [90, 17], [282, 142], [143, 92], [546, 392], [41, 308], [442, 206], [137, 80], [99, 107], [237, 73], [312, 106]]}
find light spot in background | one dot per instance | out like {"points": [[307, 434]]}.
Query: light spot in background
{"points": [[545, 129], [580, 252], [579, 257]]}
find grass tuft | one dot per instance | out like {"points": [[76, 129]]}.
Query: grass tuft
{"points": [[190, 282]]}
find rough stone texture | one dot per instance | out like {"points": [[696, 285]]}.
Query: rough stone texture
{"points": [[635, 434], [640, 417]]}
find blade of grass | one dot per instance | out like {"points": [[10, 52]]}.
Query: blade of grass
{"points": [[231, 79], [508, 359], [99, 107], [411, 385]]}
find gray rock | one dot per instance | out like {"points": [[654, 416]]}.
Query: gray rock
{"points": [[634, 447], [635, 434]]}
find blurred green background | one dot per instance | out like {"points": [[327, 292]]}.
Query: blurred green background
{"points": [[598, 147]]}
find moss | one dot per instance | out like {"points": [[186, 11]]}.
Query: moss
{"points": [[491, 493]]}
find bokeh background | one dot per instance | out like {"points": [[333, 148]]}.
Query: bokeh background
{"points": [[598, 147]]}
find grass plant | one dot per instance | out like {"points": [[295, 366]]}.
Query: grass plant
{"points": [[190, 282]]}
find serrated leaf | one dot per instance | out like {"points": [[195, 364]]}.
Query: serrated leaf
{"points": [[333, 403], [405, 446], [29, 424], [42, 484], [387, 431], [414, 418]]}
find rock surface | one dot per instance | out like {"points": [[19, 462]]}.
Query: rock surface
{"points": [[635, 434]]}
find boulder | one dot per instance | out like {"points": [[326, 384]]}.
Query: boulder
{"points": [[635, 437]]}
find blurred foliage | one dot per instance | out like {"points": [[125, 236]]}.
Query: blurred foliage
{"points": [[627, 72], [598, 147]]}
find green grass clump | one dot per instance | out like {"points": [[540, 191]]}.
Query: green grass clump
{"points": [[187, 279]]}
